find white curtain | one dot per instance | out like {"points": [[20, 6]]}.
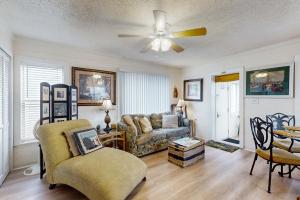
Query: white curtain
{"points": [[142, 93]]}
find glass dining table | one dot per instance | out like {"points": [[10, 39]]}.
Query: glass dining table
{"points": [[292, 133]]}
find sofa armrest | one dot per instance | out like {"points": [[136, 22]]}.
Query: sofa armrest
{"points": [[187, 122], [131, 137]]}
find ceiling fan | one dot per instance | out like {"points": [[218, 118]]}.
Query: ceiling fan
{"points": [[162, 38]]}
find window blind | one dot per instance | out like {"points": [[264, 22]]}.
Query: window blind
{"points": [[4, 96], [4, 114], [143, 93], [31, 77]]}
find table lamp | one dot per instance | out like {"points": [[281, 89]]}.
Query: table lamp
{"points": [[107, 105], [180, 105]]}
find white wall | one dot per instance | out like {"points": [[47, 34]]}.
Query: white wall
{"points": [[271, 55], [6, 38], [67, 56]]}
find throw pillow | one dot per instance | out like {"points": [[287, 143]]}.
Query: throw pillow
{"points": [[170, 121], [156, 120], [145, 125], [129, 122], [87, 141], [71, 140], [136, 121]]}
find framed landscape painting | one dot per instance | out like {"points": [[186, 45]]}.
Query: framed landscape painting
{"points": [[193, 90], [270, 82], [94, 86]]}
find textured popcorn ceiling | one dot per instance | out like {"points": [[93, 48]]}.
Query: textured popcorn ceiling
{"points": [[233, 25]]}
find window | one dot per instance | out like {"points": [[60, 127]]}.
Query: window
{"points": [[31, 77], [4, 114], [144, 93]]}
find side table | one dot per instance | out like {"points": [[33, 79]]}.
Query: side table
{"points": [[113, 139]]}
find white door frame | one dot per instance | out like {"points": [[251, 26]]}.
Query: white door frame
{"points": [[241, 71]]}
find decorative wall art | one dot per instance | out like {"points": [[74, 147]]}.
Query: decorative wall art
{"points": [[45, 103], [60, 94], [73, 102], [60, 102], [94, 86], [270, 82], [193, 90]]}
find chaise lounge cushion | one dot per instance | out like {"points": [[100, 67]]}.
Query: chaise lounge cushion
{"points": [[104, 174], [107, 174]]}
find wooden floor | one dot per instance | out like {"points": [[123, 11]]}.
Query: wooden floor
{"points": [[220, 175]]}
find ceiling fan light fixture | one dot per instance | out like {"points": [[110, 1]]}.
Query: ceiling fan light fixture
{"points": [[161, 44]]}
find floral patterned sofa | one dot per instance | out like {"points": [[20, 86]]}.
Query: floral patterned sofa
{"points": [[141, 144]]}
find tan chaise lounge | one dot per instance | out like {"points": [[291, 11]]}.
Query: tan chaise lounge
{"points": [[107, 174]]}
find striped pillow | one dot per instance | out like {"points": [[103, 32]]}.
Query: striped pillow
{"points": [[170, 121]]}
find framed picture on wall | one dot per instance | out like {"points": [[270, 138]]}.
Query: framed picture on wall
{"points": [[274, 81], [193, 90], [94, 86]]}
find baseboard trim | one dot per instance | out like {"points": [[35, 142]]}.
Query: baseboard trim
{"points": [[23, 167]]}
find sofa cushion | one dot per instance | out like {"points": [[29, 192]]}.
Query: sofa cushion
{"points": [[154, 135], [71, 139], [156, 120], [145, 125], [129, 122], [169, 121], [107, 173], [176, 132], [87, 141], [136, 121]]}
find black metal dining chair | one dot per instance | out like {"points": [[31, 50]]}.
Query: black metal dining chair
{"points": [[263, 137], [279, 120]]}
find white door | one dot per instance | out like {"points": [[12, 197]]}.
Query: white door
{"points": [[234, 118], [4, 115], [221, 111]]}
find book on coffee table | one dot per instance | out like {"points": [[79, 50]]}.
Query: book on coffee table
{"points": [[186, 142]]}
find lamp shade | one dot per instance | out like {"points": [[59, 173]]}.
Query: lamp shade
{"points": [[107, 104], [180, 103]]}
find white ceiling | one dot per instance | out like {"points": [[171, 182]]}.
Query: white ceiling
{"points": [[233, 25]]}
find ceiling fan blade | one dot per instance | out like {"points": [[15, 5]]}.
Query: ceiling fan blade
{"points": [[130, 35], [190, 33], [177, 47], [160, 19]]}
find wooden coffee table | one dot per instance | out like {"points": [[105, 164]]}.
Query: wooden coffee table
{"points": [[184, 156]]}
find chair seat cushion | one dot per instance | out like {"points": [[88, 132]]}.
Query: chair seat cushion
{"points": [[279, 156], [286, 143], [154, 135], [177, 132], [107, 173]]}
